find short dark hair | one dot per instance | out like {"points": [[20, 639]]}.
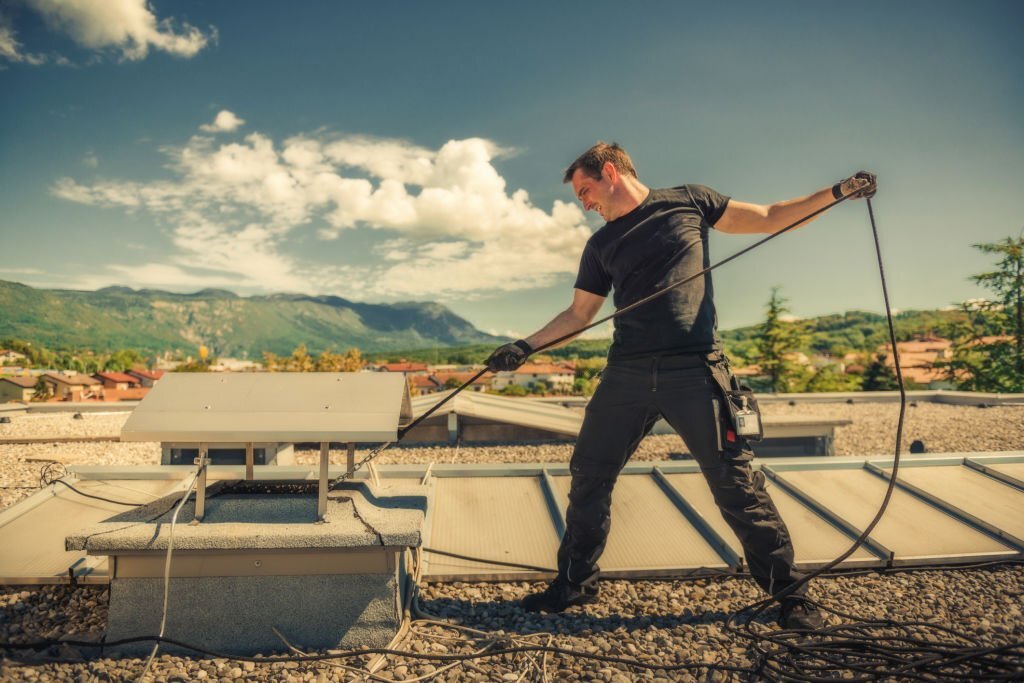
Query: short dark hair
{"points": [[593, 160]]}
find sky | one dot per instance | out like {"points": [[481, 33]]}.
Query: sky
{"points": [[403, 151]]}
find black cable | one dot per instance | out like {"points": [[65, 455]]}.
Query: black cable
{"points": [[858, 651], [46, 477], [347, 654], [626, 309], [516, 565]]}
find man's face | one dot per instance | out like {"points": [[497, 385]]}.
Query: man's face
{"points": [[595, 194]]}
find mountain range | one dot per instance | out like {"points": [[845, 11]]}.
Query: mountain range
{"points": [[228, 324]]}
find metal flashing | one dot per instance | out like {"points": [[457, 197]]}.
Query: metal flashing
{"points": [[731, 552], [298, 407], [853, 531], [972, 497]]}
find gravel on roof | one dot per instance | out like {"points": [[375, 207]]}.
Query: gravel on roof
{"points": [[655, 621], [666, 622]]}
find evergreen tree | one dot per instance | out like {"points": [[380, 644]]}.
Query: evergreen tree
{"points": [[878, 376], [988, 347], [774, 340]]}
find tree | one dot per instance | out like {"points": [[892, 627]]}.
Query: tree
{"points": [[539, 387], [775, 339], [988, 347], [300, 360], [829, 378], [589, 368], [125, 359], [352, 361], [42, 390], [328, 362], [878, 376]]}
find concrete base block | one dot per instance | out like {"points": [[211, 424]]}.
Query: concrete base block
{"points": [[234, 614]]}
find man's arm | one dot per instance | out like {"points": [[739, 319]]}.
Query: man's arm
{"points": [[741, 217], [584, 307]]}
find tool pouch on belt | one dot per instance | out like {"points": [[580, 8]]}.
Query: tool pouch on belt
{"points": [[740, 403]]}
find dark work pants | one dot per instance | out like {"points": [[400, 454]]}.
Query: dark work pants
{"points": [[631, 397]]}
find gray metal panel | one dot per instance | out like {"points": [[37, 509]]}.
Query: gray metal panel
{"points": [[649, 532], [32, 534], [814, 539], [521, 412], [985, 498], [501, 518], [1011, 470], [290, 407], [913, 529]]}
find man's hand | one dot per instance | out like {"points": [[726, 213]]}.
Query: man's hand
{"points": [[509, 356], [861, 185]]}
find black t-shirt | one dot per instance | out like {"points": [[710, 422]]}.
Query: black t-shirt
{"points": [[663, 240]]}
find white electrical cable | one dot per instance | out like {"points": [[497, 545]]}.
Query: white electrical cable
{"points": [[167, 562]]}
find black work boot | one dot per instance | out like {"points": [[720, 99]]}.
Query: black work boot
{"points": [[559, 596], [800, 615]]}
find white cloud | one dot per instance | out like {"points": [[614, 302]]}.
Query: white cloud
{"points": [[10, 48], [441, 222], [127, 26], [224, 122], [22, 271], [90, 159]]}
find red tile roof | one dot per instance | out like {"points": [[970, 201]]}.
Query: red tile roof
{"points": [[148, 374], [79, 380], [117, 377], [405, 367], [543, 369], [423, 381]]}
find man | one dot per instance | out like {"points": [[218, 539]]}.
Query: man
{"points": [[665, 360]]}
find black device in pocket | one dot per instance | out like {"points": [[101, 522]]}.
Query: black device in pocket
{"points": [[740, 403]]}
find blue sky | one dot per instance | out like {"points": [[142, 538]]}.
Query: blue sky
{"points": [[413, 151]]}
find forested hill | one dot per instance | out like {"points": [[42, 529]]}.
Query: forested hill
{"points": [[228, 324], [835, 334]]}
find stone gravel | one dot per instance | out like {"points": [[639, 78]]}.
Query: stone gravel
{"points": [[656, 622], [653, 621]]}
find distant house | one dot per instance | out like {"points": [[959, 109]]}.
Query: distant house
{"points": [[17, 388], [918, 358], [129, 394], [446, 379], [235, 365], [10, 356], [146, 378], [404, 366], [78, 387], [557, 377], [117, 380], [420, 385]]}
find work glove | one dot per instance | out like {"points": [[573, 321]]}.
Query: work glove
{"points": [[861, 185], [508, 357]]}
